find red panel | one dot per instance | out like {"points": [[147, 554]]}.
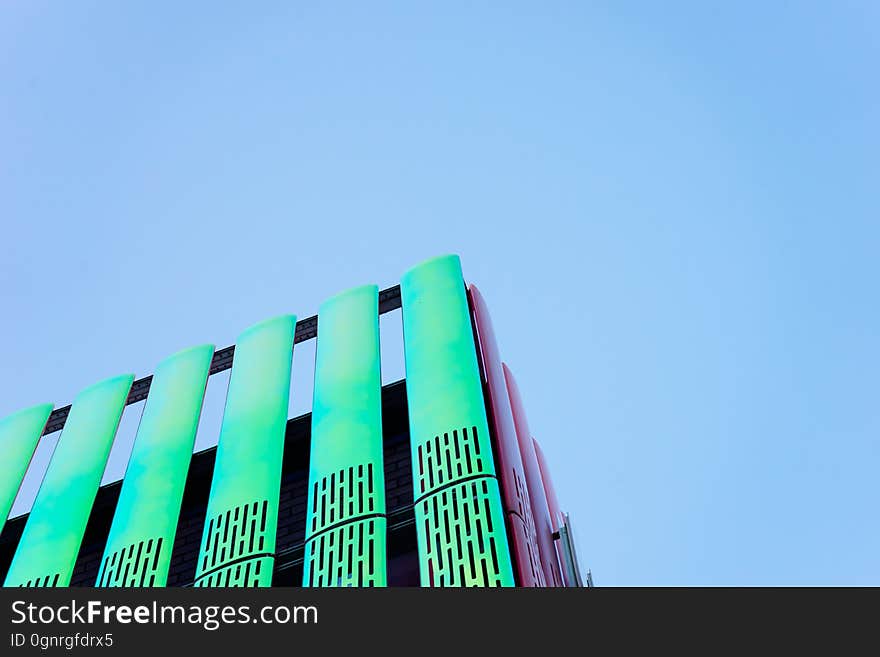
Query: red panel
{"points": [[552, 501], [556, 520], [517, 506], [540, 506]]}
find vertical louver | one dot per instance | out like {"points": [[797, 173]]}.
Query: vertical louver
{"points": [[515, 494], [238, 542], [57, 522], [345, 522], [459, 519], [19, 435], [483, 505], [540, 508], [138, 550]]}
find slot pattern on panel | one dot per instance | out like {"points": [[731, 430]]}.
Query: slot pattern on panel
{"points": [[449, 458], [347, 555], [238, 534], [461, 539], [48, 580], [135, 565], [343, 496]]}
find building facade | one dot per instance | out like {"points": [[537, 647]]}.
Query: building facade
{"points": [[435, 480]]}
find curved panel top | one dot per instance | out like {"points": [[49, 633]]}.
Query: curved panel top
{"points": [[197, 352], [86, 438], [19, 434], [256, 412], [24, 417], [345, 523], [54, 530], [110, 386], [152, 488], [238, 541], [268, 324], [347, 405], [357, 292], [454, 483], [444, 388], [159, 417]]}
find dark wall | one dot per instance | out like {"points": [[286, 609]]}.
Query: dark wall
{"points": [[403, 567]]}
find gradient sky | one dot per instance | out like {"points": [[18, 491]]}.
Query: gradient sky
{"points": [[673, 210]]}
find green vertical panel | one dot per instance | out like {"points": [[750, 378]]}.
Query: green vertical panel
{"points": [[54, 530], [459, 520], [138, 550], [19, 435], [238, 543], [345, 524]]}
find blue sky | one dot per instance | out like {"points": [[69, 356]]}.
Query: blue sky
{"points": [[671, 208]]}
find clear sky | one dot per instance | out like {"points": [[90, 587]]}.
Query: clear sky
{"points": [[671, 208]]}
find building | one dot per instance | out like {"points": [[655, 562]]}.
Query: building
{"points": [[434, 480]]}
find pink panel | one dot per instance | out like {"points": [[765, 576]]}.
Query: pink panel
{"points": [[552, 501], [556, 520], [509, 466], [540, 506]]}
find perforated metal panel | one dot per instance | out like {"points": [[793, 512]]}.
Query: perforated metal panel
{"points": [[138, 550], [515, 495], [39, 582], [19, 435], [235, 541], [346, 525], [348, 555], [462, 540], [238, 542], [135, 565], [57, 522]]}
